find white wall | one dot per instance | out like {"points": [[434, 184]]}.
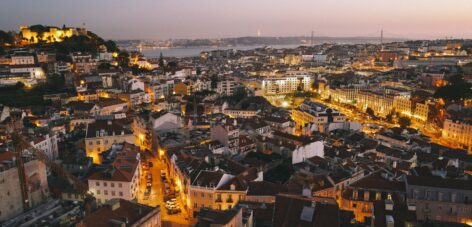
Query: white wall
{"points": [[308, 151]]}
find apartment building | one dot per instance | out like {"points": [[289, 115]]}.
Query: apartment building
{"points": [[11, 202], [316, 113], [119, 178], [439, 199], [101, 135], [457, 129], [286, 84]]}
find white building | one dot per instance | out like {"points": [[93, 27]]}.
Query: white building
{"points": [[120, 179], [226, 87], [287, 84], [22, 58], [48, 144]]}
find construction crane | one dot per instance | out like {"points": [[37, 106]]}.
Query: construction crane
{"points": [[21, 145]]}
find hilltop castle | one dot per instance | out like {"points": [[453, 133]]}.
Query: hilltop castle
{"points": [[50, 35]]}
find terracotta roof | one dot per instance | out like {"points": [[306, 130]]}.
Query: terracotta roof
{"points": [[108, 127], [438, 182], [117, 210], [209, 217], [208, 179], [265, 188], [297, 211]]}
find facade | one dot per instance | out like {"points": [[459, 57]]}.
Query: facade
{"points": [[11, 202], [381, 103], [101, 135], [120, 178], [435, 198], [48, 144], [239, 113], [317, 114], [458, 132], [287, 84], [226, 87], [360, 196], [228, 135], [215, 190]]}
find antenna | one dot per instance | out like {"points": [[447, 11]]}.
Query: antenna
{"points": [[381, 36]]}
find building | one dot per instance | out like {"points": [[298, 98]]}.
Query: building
{"points": [[217, 190], [119, 212], [47, 143], [226, 87], [11, 202], [286, 84], [228, 135], [439, 199], [22, 58], [457, 129], [317, 114], [218, 218], [295, 210], [101, 135], [360, 196], [52, 34], [240, 113], [120, 177]]}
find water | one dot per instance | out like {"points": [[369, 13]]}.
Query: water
{"points": [[195, 51]]}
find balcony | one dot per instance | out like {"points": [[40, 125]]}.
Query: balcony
{"points": [[229, 200], [218, 200]]}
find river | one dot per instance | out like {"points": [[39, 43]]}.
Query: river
{"points": [[195, 51]]}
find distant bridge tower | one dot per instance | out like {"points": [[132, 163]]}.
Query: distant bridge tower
{"points": [[312, 38]]}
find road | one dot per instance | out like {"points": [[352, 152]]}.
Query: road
{"points": [[157, 194], [363, 118]]}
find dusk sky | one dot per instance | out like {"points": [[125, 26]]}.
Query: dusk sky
{"points": [[162, 19]]}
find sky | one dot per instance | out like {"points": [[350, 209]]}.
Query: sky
{"points": [[164, 19]]}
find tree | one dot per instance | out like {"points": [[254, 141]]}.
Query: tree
{"points": [[370, 111], [161, 61], [123, 59], [404, 122], [111, 46], [456, 89]]}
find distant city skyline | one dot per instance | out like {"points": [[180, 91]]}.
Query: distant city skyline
{"points": [[164, 19]]}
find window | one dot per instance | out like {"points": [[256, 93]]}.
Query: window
{"points": [[98, 192], [203, 195], [97, 183], [121, 194], [105, 184], [90, 142], [105, 192], [113, 193], [194, 205], [120, 185], [354, 205], [112, 185]]}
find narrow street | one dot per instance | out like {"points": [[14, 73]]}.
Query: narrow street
{"points": [[156, 196]]}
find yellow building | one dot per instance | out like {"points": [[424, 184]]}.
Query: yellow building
{"points": [[101, 135], [458, 133]]}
